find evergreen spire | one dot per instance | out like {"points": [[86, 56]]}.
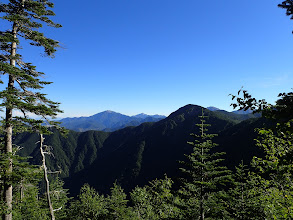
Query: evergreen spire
{"points": [[204, 175]]}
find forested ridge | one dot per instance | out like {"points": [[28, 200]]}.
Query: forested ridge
{"points": [[136, 155]]}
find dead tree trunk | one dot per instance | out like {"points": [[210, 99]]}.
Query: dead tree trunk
{"points": [[46, 176]]}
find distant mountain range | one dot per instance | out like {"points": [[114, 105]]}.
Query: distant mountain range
{"points": [[107, 121], [113, 121], [135, 155], [240, 112]]}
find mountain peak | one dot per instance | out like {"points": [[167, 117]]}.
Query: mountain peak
{"points": [[187, 109], [212, 108], [107, 121], [108, 111], [141, 114]]}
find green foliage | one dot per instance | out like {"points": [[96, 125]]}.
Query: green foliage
{"points": [[245, 200], [28, 200], [155, 201], [274, 170], [22, 169], [281, 112], [117, 204], [28, 205], [90, 205], [59, 197], [23, 175]]}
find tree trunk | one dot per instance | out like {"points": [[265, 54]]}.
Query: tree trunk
{"points": [[8, 149], [8, 134], [46, 177]]}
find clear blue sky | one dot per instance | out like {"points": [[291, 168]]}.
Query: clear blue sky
{"points": [[155, 56]]}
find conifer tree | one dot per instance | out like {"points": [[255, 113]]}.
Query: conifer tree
{"points": [[204, 176], [155, 201], [89, 205], [24, 179], [117, 204], [245, 195], [23, 81], [29, 205]]}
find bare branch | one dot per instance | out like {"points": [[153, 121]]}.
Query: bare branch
{"points": [[57, 209]]}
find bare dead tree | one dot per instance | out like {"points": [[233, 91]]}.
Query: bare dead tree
{"points": [[44, 149]]}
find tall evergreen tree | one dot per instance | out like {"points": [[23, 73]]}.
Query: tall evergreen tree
{"points": [[204, 176], [117, 204], [22, 94]]}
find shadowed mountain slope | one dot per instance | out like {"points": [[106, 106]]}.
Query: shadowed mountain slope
{"points": [[135, 155]]}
